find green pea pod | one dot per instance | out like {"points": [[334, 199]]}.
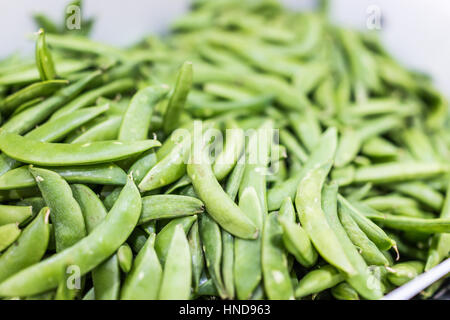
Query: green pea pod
{"points": [[401, 273], [8, 234], [277, 282], [439, 225], [90, 295], [177, 276], [423, 193], [29, 249], [163, 238], [198, 262], [212, 247], [178, 98], [142, 165], [136, 120], [125, 257], [44, 60], [88, 253], [35, 90], [318, 280], [293, 146], [228, 262], [169, 206], [344, 291], [106, 174], [59, 154], [137, 239], [65, 291], [287, 210], [234, 180], [15, 214], [65, 212]]}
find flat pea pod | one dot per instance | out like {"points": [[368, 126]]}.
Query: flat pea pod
{"points": [[438, 225], [344, 291], [44, 60], [177, 274], [125, 257], [163, 238], [107, 129], [318, 280], [198, 261], [105, 174], [169, 206], [277, 281], [65, 212], [144, 279], [8, 234], [35, 90], [29, 118], [136, 119], [29, 249], [89, 97], [297, 242], [212, 247], [142, 165], [178, 97], [60, 154], [373, 232], [92, 208], [14, 214], [87, 253], [218, 204], [401, 273], [366, 247]]}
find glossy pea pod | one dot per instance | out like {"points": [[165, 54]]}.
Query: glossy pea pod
{"points": [[198, 261], [318, 280], [44, 60], [15, 214], [88, 253], [125, 257], [344, 291], [8, 234], [401, 273], [103, 129]]}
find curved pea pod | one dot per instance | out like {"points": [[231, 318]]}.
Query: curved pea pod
{"points": [[105, 174], [8, 234], [198, 262], [401, 273], [27, 105], [14, 214], [318, 280], [88, 253], [29, 249], [373, 232], [60, 154], [106, 279], [35, 90], [438, 225], [212, 247], [277, 282], [101, 130], [163, 238], [169, 206], [306, 127], [287, 210], [298, 243], [228, 262], [92, 208], [367, 248], [136, 119], [178, 97], [177, 274], [293, 147], [142, 165], [65, 212], [125, 257], [344, 291], [44, 60], [423, 193]]}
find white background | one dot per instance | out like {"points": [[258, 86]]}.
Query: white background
{"points": [[416, 31]]}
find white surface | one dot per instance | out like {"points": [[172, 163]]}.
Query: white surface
{"points": [[415, 31]]}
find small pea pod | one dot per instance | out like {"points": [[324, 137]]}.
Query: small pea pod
{"points": [[196, 250], [177, 275], [318, 280], [287, 210], [65, 212], [8, 234], [439, 225], [277, 282], [401, 273], [105, 129], [344, 291], [228, 262], [144, 280], [44, 60], [29, 249], [88, 253], [14, 214], [142, 165], [125, 257]]}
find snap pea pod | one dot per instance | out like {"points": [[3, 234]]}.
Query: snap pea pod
{"points": [[287, 210], [139, 169], [318, 280], [106, 174], [198, 262], [177, 274], [44, 60], [169, 206], [401, 273], [228, 262], [65, 211], [438, 225], [36, 204], [87, 253], [293, 146], [35, 90], [107, 129], [277, 282], [137, 239], [29, 249], [8, 234], [344, 291], [408, 250], [14, 214], [60, 154], [378, 147], [65, 290], [26, 105], [125, 257], [212, 247], [136, 120], [89, 97], [422, 193]]}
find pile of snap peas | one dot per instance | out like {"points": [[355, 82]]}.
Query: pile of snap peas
{"points": [[109, 190]]}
